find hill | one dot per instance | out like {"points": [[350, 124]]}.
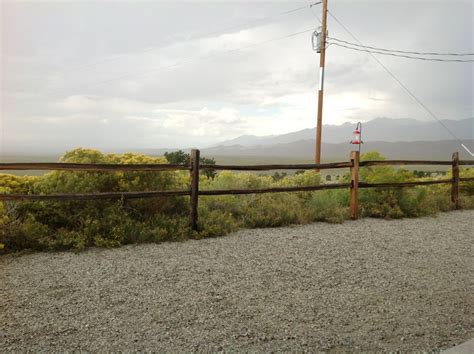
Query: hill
{"points": [[379, 129], [304, 149]]}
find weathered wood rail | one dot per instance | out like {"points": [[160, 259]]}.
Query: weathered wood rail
{"points": [[60, 166], [194, 168]]}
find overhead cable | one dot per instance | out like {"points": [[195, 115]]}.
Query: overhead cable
{"points": [[191, 59], [206, 34], [407, 90], [361, 49], [400, 51]]}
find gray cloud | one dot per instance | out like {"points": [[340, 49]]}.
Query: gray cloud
{"points": [[55, 56]]}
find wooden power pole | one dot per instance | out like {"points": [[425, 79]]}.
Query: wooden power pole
{"points": [[322, 61]]}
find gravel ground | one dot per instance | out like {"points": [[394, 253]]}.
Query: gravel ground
{"points": [[363, 285]]}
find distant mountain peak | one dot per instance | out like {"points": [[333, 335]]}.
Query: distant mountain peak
{"points": [[378, 129]]}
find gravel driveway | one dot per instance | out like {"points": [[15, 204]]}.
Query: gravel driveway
{"points": [[363, 285]]}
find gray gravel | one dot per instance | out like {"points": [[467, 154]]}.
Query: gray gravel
{"points": [[364, 285]]}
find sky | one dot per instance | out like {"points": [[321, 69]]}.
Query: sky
{"points": [[155, 74]]}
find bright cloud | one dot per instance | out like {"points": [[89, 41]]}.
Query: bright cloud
{"points": [[166, 74]]}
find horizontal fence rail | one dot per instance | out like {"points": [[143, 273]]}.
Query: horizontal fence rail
{"points": [[404, 184], [403, 162], [60, 166], [93, 196], [411, 163], [323, 166], [274, 190], [466, 179], [194, 169], [154, 194]]}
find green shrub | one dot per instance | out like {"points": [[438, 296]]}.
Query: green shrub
{"points": [[306, 178], [270, 210], [169, 228], [50, 226], [25, 234], [329, 206], [385, 203], [214, 222], [419, 201], [467, 188]]}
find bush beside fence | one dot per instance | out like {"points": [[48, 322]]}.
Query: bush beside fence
{"points": [[354, 164], [70, 207]]}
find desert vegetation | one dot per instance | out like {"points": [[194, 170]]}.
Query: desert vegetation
{"points": [[47, 225]]}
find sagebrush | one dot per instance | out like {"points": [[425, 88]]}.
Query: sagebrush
{"points": [[78, 224]]}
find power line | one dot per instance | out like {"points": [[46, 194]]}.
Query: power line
{"points": [[206, 34], [429, 111], [401, 51], [361, 49], [210, 56]]}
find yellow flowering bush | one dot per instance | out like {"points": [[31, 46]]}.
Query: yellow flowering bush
{"points": [[49, 225]]}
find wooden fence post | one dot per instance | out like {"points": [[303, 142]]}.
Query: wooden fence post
{"points": [[354, 185], [455, 184], [194, 189]]}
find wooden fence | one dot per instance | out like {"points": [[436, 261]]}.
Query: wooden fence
{"points": [[354, 164]]}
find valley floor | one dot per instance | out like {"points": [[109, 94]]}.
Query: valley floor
{"points": [[362, 285]]}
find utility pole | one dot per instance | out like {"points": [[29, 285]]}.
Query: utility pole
{"points": [[322, 61]]}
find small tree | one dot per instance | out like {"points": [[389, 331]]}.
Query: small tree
{"points": [[178, 157], [208, 161], [181, 158]]}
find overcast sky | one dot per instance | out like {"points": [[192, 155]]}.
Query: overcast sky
{"points": [[102, 74]]}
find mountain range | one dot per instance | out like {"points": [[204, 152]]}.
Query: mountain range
{"points": [[379, 129], [393, 138]]}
